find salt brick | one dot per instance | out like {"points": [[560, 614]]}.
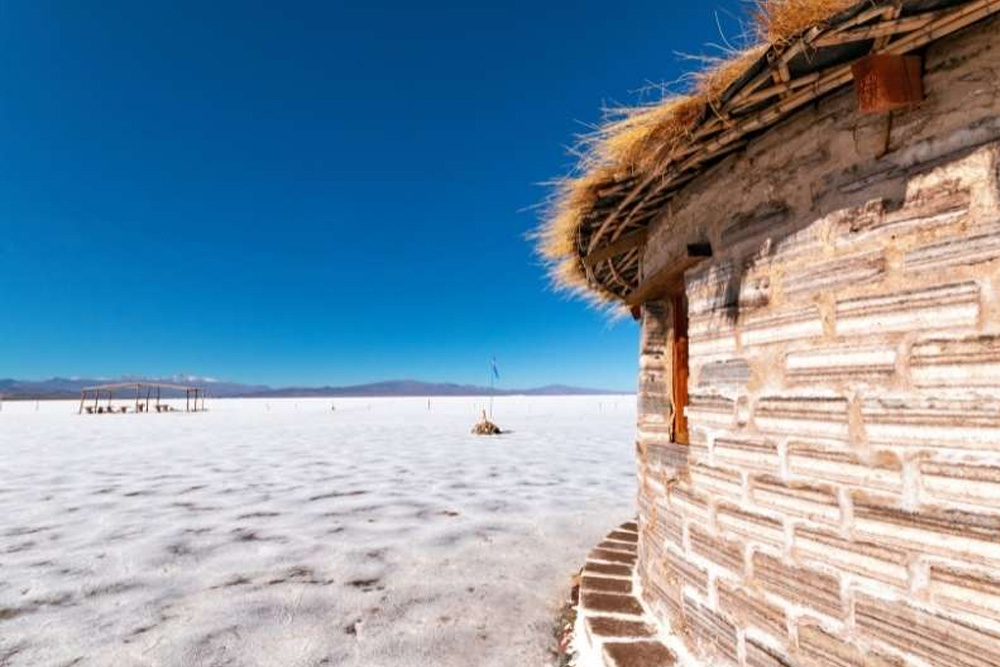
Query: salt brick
{"points": [[663, 598], [961, 482], [711, 410], [689, 503], [940, 641], [711, 337], [684, 572], [868, 559], [758, 655], [667, 454], [803, 415], [884, 473], [712, 633], [973, 591], [927, 422], [962, 251], [748, 453], [729, 374], [716, 481], [798, 585], [949, 532], [750, 525], [812, 501], [823, 649], [818, 277], [972, 361], [854, 364], [786, 325], [931, 208], [947, 306], [757, 225], [705, 346], [719, 550], [750, 609]]}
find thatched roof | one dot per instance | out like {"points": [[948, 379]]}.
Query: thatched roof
{"points": [[595, 230]]}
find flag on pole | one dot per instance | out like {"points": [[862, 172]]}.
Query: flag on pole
{"points": [[493, 367]]}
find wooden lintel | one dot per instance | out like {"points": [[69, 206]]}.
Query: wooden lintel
{"points": [[669, 279], [619, 246]]}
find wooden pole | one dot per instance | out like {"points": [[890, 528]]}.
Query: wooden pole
{"points": [[83, 395], [187, 400], [137, 389]]}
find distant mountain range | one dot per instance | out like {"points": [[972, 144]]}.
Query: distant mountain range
{"points": [[56, 388]]}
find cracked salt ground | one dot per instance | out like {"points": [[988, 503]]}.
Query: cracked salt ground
{"points": [[281, 533]]}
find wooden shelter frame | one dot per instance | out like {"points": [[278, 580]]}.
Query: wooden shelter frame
{"points": [[192, 395]]}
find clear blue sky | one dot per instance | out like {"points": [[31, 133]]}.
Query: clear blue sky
{"points": [[307, 192]]}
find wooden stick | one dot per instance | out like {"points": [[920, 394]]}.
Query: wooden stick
{"points": [[879, 30], [626, 242]]}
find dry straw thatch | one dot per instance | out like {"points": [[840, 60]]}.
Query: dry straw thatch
{"points": [[626, 166], [485, 427]]}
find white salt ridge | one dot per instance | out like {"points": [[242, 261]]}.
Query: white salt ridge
{"points": [[280, 532]]}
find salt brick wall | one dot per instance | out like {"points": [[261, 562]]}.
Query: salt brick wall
{"points": [[839, 502]]}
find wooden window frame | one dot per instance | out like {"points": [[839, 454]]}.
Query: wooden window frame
{"points": [[679, 367]]}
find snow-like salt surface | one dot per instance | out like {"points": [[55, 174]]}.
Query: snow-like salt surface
{"points": [[279, 532]]}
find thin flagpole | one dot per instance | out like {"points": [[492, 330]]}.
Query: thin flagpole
{"points": [[494, 374]]}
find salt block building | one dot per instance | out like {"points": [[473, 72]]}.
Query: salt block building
{"points": [[810, 240]]}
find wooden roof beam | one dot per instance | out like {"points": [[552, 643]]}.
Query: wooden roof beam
{"points": [[670, 278], [621, 245], [879, 30]]}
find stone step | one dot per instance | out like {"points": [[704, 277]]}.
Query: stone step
{"points": [[610, 603], [638, 654], [612, 556], [623, 536], [614, 621], [614, 545], [607, 569], [606, 627], [606, 585]]}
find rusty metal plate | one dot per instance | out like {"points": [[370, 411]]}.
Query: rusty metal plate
{"points": [[884, 82]]}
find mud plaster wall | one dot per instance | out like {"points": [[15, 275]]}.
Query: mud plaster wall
{"points": [[839, 503]]}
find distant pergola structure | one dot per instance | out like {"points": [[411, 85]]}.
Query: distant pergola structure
{"points": [[145, 394]]}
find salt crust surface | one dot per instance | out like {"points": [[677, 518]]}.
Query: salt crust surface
{"points": [[280, 532]]}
